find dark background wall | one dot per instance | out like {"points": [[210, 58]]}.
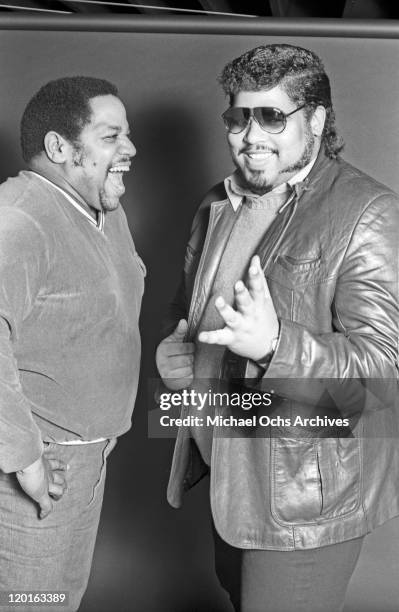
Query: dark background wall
{"points": [[151, 558]]}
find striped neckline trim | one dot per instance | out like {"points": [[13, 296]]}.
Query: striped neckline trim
{"points": [[99, 224]]}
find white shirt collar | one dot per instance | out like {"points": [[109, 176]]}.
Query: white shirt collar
{"points": [[236, 199], [99, 224]]}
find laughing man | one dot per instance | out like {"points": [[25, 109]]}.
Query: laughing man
{"points": [[70, 295]]}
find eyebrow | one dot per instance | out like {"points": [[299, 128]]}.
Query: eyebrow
{"points": [[107, 126], [103, 125]]}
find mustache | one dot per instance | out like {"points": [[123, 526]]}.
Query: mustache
{"points": [[124, 158]]}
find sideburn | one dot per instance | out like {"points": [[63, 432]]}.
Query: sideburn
{"points": [[78, 156]]}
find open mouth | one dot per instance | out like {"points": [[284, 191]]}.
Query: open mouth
{"points": [[259, 154], [120, 168], [115, 176], [259, 159]]}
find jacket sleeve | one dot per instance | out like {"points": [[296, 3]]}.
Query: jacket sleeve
{"points": [[177, 309], [180, 305], [364, 340], [23, 260]]}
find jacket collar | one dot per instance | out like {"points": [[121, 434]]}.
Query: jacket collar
{"points": [[236, 191], [310, 182]]}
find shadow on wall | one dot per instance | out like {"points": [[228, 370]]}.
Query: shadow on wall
{"points": [[170, 174], [11, 159], [142, 561]]}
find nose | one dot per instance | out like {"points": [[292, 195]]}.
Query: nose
{"points": [[127, 147], [253, 132]]}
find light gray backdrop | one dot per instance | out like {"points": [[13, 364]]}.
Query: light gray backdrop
{"points": [[151, 558]]}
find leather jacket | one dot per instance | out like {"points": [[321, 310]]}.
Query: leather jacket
{"points": [[331, 263]]}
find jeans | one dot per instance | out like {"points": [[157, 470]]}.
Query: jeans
{"points": [[314, 580], [53, 554]]}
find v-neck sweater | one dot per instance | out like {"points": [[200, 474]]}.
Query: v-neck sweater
{"points": [[252, 219], [70, 299]]}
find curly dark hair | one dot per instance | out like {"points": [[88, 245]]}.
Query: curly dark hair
{"points": [[63, 106], [299, 72]]}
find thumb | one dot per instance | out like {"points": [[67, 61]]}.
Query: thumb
{"points": [[180, 331], [46, 506]]}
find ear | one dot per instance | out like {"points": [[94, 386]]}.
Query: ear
{"points": [[318, 120], [55, 147]]}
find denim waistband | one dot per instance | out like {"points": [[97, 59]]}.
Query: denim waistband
{"points": [[73, 442]]}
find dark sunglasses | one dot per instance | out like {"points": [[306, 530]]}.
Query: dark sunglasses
{"points": [[272, 120]]}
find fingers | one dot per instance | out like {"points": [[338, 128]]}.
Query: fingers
{"points": [[174, 349], [170, 355], [257, 284], [56, 476], [176, 365], [179, 365], [223, 336], [181, 361], [55, 464], [45, 506], [179, 333], [177, 384], [175, 358], [243, 300], [228, 314], [256, 279], [45, 477], [56, 489], [185, 372]]}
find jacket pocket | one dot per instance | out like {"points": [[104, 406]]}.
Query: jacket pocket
{"points": [[294, 272], [302, 291], [313, 481], [340, 468], [299, 265]]}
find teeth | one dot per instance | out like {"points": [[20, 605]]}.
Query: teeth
{"points": [[261, 155], [119, 169]]}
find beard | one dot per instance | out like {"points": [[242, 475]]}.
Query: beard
{"points": [[78, 155], [259, 182], [108, 195], [109, 201]]}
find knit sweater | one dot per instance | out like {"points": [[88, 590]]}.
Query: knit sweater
{"points": [[70, 297], [253, 218]]}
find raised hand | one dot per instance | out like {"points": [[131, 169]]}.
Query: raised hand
{"points": [[252, 327], [175, 359]]}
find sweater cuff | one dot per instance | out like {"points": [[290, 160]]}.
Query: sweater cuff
{"points": [[22, 455]]}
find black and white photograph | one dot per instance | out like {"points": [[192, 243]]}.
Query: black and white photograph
{"points": [[199, 322]]}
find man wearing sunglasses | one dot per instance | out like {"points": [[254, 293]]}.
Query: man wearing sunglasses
{"points": [[290, 285]]}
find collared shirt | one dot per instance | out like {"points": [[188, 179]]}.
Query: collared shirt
{"points": [[236, 198]]}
